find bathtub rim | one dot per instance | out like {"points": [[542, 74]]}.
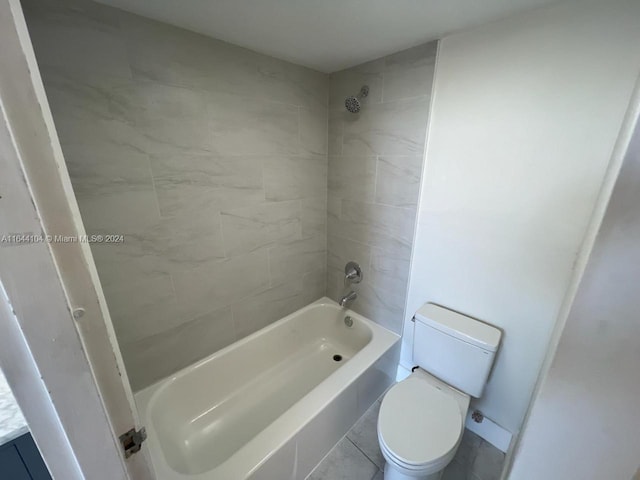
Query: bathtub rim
{"points": [[282, 430]]}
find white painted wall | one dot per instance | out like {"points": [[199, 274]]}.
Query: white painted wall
{"points": [[584, 423], [525, 115]]}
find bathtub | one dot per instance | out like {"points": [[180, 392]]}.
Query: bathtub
{"points": [[272, 405]]}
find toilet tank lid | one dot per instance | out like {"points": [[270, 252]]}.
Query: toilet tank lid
{"points": [[460, 326]]}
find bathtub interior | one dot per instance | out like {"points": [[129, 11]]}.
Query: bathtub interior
{"points": [[201, 417]]}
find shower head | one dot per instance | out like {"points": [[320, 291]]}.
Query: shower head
{"points": [[352, 103]]}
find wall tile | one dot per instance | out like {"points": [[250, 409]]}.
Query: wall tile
{"points": [[380, 299], [341, 250], [346, 83], [251, 228], [393, 288], [352, 177], [291, 260], [141, 309], [334, 209], [102, 48], [188, 183], [415, 82], [375, 225], [377, 304], [314, 216], [390, 263], [168, 54], [106, 134], [119, 212], [172, 55], [398, 180], [171, 244], [253, 313], [375, 162], [313, 130], [113, 187], [254, 75], [295, 177], [335, 131], [164, 136], [83, 98], [391, 128], [248, 126], [219, 284], [140, 101], [209, 158], [419, 56], [187, 241], [335, 284], [314, 285], [132, 261], [157, 356], [97, 172]]}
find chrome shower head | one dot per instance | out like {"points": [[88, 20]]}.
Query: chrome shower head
{"points": [[352, 103]]}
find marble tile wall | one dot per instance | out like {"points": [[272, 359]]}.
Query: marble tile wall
{"points": [[375, 164], [209, 158]]}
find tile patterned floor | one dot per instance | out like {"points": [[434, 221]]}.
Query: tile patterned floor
{"points": [[358, 457]]}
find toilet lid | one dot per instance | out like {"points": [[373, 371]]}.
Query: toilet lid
{"points": [[418, 422]]}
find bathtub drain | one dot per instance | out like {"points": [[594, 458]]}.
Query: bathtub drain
{"points": [[337, 358]]}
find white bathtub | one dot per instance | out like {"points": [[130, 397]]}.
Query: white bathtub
{"points": [[271, 405]]}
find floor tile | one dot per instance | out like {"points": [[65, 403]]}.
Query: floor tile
{"points": [[344, 462], [364, 435], [458, 471], [468, 448], [488, 462], [379, 475]]}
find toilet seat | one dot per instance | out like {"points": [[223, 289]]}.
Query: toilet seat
{"points": [[420, 424]]}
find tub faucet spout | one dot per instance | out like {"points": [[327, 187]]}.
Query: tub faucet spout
{"points": [[348, 299]]}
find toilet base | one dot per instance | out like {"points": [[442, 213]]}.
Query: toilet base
{"points": [[391, 474]]}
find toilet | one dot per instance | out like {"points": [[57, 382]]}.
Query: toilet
{"points": [[421, 418]]}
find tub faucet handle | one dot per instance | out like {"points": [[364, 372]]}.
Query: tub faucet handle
{"points": [[352, 273]]}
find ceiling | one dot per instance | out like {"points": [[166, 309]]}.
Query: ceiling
{"points": [[326, 35]]}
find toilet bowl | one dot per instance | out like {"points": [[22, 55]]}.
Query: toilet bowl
{"points": [[420, 426]]}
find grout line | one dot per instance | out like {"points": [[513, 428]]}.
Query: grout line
{"points": [[269, 276], [375, 179], [360, 450], [299, 149], [153, 185], [224, 244], [233, 322]]}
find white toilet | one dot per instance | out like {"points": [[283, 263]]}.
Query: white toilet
{"points": [[421, 418]]}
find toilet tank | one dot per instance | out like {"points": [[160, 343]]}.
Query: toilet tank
{"points": [[455, 348]]}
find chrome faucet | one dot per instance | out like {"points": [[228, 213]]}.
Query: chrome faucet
{"points": [[348, 299]]}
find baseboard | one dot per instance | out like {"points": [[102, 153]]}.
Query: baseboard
{"points": [[402, 373], [489, 430]]}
